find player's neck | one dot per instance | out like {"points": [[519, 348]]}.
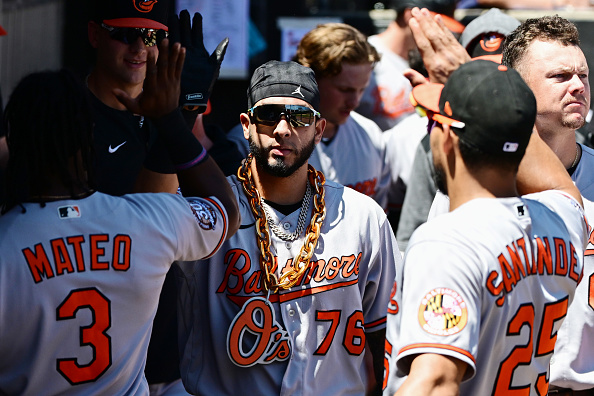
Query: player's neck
{"points": [[485, 183], [562, 143], [102, 87], [280, 190], [330, 131]]}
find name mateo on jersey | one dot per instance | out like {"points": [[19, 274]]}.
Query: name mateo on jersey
{"points": [[553, 256], [67, 255], [239, 277]]}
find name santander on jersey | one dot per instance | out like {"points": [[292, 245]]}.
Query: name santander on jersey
{"points": [[553, 256]]}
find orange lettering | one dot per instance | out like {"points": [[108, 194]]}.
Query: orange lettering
{"points": [[38, 263], [561, 256], [232, 258], [97, 252], [76, 242], [543, 257], [62, 260], [123, 243]]}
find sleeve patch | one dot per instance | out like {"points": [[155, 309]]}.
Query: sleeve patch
{"points": [[204, 214], [442, 312]]}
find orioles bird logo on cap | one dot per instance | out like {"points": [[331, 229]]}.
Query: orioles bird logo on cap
{"points": [[144, 5], [491, 43]]}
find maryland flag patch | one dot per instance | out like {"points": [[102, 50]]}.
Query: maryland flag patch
{"points": [[442, 312]]}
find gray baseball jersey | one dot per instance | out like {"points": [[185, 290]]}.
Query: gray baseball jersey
{"points": [[572, 365], [79, 286], [386, 98], [356, 158], [489, 284], [307, 340]]}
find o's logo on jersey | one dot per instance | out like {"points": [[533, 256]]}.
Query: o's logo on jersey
{"points": [[442, 312], [255, 336]]}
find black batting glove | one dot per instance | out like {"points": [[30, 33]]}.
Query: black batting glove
{"points": [[201, 70]]}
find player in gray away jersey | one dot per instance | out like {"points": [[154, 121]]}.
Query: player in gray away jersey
{"points": [[546, 52], [81, 271], [295, 302], [486, 286]]}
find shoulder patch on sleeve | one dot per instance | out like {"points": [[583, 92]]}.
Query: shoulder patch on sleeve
{"points": [[204, 213], [443, 312]]}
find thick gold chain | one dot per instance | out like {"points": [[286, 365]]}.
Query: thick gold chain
{"points": [[301, 262]]}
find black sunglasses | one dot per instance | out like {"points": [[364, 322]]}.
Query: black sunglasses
{"points": [[129, 35], [270, 114]]}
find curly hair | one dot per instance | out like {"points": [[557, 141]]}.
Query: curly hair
{"points": [[49, 136], [325, 48], [547, 28]]}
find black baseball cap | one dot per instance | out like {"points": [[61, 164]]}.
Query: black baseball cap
{"points": [[283, 79], [150, 14], [489, 105], [445, 8]]}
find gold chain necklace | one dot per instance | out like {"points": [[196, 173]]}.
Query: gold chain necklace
{"points": [[301, 263], [577, 156]]}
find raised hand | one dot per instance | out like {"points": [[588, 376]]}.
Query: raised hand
{"points": [[441, 52], [160, 94]]}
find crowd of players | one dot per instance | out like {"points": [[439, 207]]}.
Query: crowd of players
{"points": [[132, 264]]}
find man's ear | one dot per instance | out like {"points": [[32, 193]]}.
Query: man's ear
{"points": [[450, 140], [93, 33], [245, 123], [320, 127]]}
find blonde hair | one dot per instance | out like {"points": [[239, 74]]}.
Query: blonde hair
{"points": [[325, 48]]}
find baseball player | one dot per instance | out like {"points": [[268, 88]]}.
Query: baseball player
{"points": [[343, 69], [295, 302], [537, 49], [81, 271], [129, 154], [485, 287], [385, 100]]}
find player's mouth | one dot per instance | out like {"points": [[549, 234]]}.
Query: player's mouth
{"points": [[135, 64], [280, 151]]}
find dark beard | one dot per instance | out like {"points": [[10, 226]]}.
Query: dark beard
{"points": [[440, 179], [279, 168]]}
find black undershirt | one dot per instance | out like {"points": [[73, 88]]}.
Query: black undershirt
{"points": [[285, 209]]}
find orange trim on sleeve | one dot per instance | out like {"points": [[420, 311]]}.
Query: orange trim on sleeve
{"points": [[225, 226], [375, 323], [438, 346]]}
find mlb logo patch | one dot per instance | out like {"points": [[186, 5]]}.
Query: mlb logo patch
{"points": [[510, 147], [521, 210], [69, 212]]}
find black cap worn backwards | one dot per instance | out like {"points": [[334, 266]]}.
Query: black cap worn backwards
{"points": [[283, 79], [489, 105]]}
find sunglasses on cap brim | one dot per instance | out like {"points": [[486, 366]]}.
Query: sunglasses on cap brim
{"points": [[270, 114], [433, 116], [129, 35]]}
